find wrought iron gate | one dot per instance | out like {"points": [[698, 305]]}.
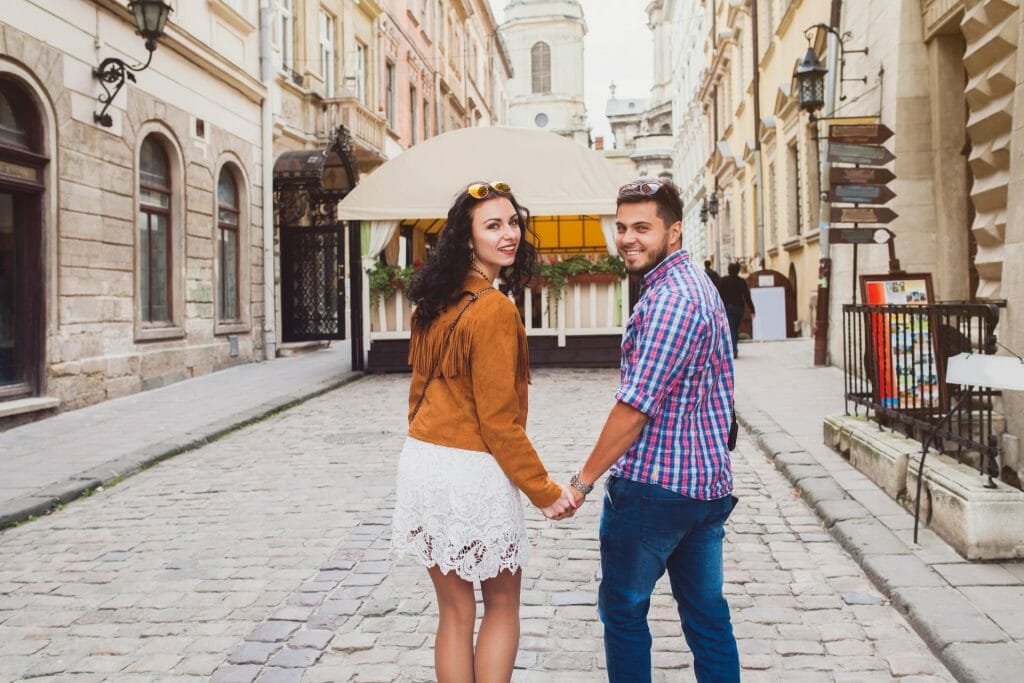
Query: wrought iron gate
{"points": [[308, 184], [312, 283]]}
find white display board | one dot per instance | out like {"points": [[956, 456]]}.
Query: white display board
{"points": [[770, 321], [995, 372]]}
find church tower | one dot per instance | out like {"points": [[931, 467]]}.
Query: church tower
{"points": [[545, 41]]}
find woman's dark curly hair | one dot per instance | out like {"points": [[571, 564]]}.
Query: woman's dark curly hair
{"points": [[439, 282]]}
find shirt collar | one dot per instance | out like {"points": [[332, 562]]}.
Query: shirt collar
{"points": [[661, 271]]}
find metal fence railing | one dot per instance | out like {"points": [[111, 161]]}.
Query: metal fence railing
{"points": [[895, 360]]}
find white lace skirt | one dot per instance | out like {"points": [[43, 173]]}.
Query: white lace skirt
{"points": [[457, 510]]}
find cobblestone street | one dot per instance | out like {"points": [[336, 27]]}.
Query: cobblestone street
{"points": [[264, 556]]}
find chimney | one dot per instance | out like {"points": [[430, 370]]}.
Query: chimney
{"points": [[599, 143]]}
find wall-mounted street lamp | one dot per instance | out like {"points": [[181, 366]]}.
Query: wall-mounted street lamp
{"points": [[810, 72], [810, 82], [709, 207], [150, 19]]}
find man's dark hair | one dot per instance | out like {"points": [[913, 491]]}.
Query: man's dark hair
{"points": [[734, 269], [707, 264], [666, 196]]}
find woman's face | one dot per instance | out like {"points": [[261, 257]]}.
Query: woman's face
{"points": [[496, 234]]}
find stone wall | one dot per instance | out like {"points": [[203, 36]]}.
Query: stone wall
{"points": [[96, 346]]}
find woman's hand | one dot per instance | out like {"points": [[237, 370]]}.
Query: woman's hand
{"points": [[562, 508]]}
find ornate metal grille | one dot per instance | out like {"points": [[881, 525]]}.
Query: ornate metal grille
{"points": [[312, 283]]}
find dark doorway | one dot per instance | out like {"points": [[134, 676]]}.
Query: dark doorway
{"points": [[313, 283], [308, 185], [22, 302]]}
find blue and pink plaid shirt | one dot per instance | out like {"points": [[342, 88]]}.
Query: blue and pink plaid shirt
{"points": [[677, 369]]}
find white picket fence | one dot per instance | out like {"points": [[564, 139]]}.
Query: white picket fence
{"points": [[583, 309]]}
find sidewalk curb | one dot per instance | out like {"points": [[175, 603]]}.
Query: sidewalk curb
{"points": [[965, 640], [50, 497]]}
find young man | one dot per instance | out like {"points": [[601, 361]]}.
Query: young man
{"points": [[669, 493], [736, 296], [711, 273]]}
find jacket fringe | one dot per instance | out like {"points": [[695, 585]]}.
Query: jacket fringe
{"points": [[426, 346]]}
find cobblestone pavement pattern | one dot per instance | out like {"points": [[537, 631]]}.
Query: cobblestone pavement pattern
{"points": [[263, 556]]}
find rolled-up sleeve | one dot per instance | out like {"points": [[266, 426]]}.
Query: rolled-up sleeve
{"points": [[664, 339]]}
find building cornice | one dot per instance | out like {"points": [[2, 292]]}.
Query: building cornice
{"points": [[197, 53]]}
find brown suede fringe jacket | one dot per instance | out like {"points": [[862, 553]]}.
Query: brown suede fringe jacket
{"points": [[478, 399]]}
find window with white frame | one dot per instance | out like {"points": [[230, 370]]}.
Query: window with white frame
{"points": [[361, 72], [389, 93], [540, 68], [285, 19], [327, 61], [796, 199]]}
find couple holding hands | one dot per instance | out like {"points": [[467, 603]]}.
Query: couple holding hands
{"points": [[665, 442]]}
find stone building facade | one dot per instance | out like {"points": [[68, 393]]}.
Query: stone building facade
{"points": [[131, 255], [947, 76], [545, 42]]}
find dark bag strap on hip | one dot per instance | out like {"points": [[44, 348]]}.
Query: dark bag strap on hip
{"points": [[444, 346], [734, 430]]}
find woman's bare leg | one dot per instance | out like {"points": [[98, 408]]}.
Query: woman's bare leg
{"points": [[453, 645], [498, 640]]}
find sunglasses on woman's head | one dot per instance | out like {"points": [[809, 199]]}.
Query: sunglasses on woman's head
{"points": [[648, 188], [481, 190]]}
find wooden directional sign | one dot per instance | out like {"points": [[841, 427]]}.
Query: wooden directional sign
{"points": [[861, 194], [862, 214], [859, 235], [865, 155], [859, 134], [860, 176]]}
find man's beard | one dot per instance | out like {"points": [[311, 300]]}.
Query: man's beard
{"points": [[656, 258]]}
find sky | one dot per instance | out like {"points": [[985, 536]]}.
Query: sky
{"points": [[618, 48]]}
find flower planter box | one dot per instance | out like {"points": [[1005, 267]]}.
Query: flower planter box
{"points": [[598, 278]]}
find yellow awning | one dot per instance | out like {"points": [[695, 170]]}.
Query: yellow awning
{"points": [[555, 234]]}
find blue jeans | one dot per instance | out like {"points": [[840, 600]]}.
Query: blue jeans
{"points": [[735, 316], [645, 530]]}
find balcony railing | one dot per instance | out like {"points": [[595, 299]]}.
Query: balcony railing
{"points": [[583, 308], [895, 359], [364, 125]]}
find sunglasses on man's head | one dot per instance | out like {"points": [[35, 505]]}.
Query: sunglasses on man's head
{"points": [[481, 190], [648, 188]]}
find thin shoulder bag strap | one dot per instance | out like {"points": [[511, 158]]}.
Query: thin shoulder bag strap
{"points": [[444, 346]]}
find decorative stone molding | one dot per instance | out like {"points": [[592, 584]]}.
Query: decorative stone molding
{"points": [[937, 13], [990, 28]]}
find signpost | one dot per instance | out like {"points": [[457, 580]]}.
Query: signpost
{"points": [[860, 176], [860, 144], [860, 194], [867, 155], [860, 235], [862, 214]]}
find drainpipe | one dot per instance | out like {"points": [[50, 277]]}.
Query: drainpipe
{"points": [[758, 181], [821, 311], [267, 159]]}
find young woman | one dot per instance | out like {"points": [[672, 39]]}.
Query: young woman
{"points": [[467, 457]]}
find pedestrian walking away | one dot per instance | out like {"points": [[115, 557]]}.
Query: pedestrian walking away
{"points": [[467, 456], [712, 273], [669, 492], [736, 296]]}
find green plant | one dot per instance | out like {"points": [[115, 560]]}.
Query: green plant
{"points": [[557, 274], [385, 280]]}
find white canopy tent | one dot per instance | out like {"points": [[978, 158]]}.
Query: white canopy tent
{"points": [[549, 174], [569, 190]]}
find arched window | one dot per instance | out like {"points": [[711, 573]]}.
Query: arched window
{"points": [[228, 212], [155, 248], [540, 62]]}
